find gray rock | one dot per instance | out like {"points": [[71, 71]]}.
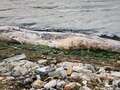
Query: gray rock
{"points": [[16, 68], [60, 83], [50, 84], [59, 72], [90, 67], [10, 78], [15, 58], [28, 81], [83, 74], [42, 71]]}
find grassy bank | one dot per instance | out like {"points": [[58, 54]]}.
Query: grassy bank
{"points": [[37, 52]]}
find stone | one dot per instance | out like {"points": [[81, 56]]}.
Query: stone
{"points": [[115, 74], [60, 83], [75, 76], [76, 68], [38, 84], [16, 68], [90, 67], [10, 78], [28, 81], [2, 78], [84, 82], [42, 72], [72, 86], [15, 58], [59, 72], [45, 69], [65, 65], [50, 84], [42, 61], [85, 88], [69, 70]]}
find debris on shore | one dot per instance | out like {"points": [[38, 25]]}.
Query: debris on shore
{"points": [[58, 40]]}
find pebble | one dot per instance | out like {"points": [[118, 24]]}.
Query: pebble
{"points": [[42, 61], [60, 83], [2, 78], [50, 84], [72, 86], [38, 84], [59, 72], [84, 88], [43, 71], [69, 70], [75, 76], [10, 78], [115, 74]]}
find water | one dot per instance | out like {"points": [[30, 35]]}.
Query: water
{"points": [[62, 15]]}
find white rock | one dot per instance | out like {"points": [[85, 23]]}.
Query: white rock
{"points": [[76, 68], [50, 84], [15, 58], [42, 61], [60, 83], [115, 74], [43, 70], [84, 88], [75, 76]]}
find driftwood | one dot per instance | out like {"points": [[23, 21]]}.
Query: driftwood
{"points": [[57, 40]]}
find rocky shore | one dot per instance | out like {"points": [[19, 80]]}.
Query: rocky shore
{"points": [[17, 73], [25, 66]]}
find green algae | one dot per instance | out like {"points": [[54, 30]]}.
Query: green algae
{"points": [[34, 52]]}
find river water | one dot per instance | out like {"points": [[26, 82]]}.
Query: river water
{"points": [[62, 15]]}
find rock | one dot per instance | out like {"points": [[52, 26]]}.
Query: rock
{"points": [[28, 81], [38, 84], [116, 83], [72, 86], [69, 70], [10, 78], [83, 74], [85, 88], [15, 58], [65, 65], [16, 68], [90, 67], [76, 68], [50, 84], [17, 71], [118, 62], [42, 72], [60, 84], [2, 78], [59, 72], [75, 76], [115, 74], [84, 82], [42, 61]]}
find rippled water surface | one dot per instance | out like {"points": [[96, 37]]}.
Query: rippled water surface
{"points": [[77, 15]]}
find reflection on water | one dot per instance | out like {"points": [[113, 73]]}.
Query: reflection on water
{"points": [[77, 15]]}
